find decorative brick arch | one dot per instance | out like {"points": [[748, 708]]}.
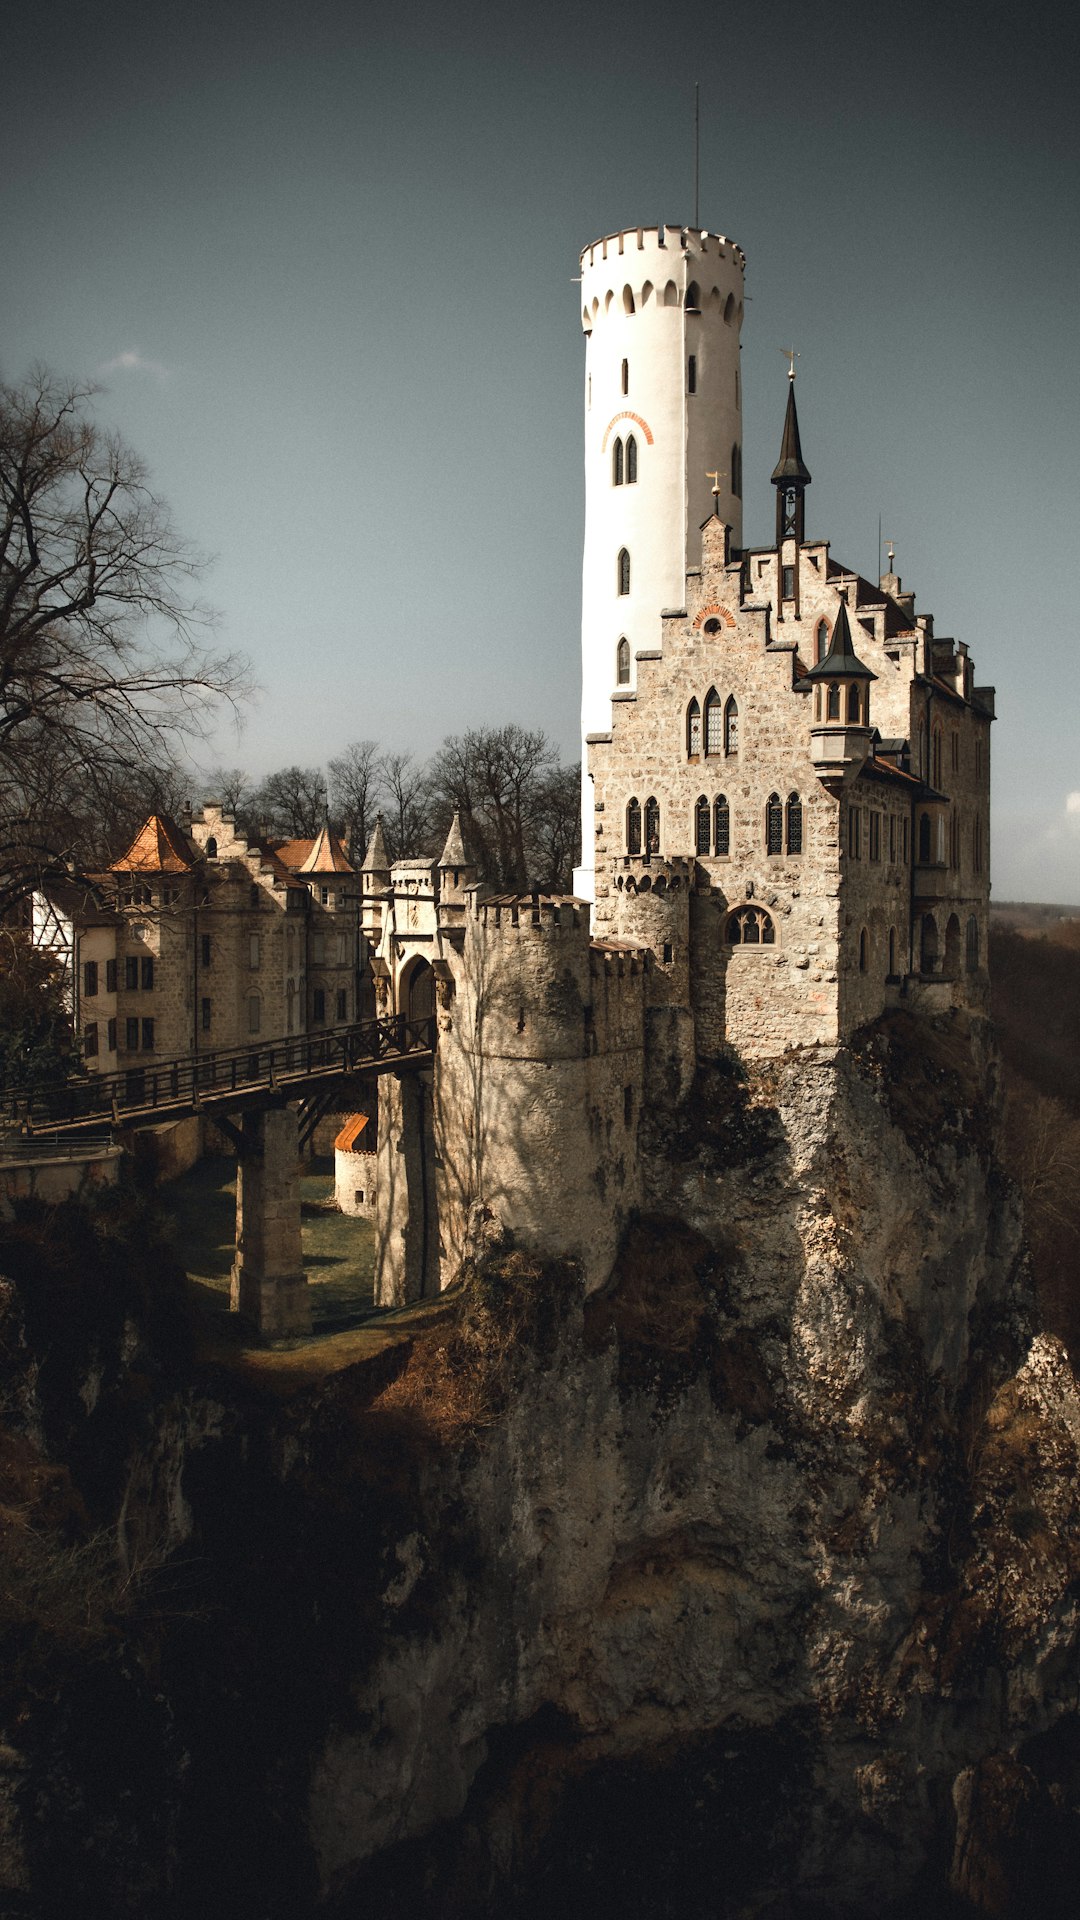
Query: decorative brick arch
{"points": [[710, 612], [638, 422]]}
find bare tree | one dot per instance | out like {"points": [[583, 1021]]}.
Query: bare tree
{"points": [[403, 795], [354, 779], [232, 788], [100, 663], [494, 777], [290, 803], [555, 836]]}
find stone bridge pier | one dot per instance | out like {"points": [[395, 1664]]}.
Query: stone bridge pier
{"points": [[268, 1280]]}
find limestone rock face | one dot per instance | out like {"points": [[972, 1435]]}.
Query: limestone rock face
{"points": [[789, 1516]]}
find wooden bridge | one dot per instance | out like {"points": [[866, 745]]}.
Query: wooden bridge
{"points": [[292, 1068]]}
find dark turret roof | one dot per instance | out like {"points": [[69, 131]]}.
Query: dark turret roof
{"points": [[791, 469], [841, 661]]}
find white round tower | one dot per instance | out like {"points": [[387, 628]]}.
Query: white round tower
{"points": [[661, 310]]}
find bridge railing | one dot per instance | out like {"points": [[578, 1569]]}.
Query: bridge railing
{"points": [[214, 1079]]}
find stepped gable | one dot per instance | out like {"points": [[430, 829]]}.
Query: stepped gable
{"points": [[158, 847]]}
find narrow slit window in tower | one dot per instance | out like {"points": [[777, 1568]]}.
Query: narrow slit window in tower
{"points": [[652, 825], [617, 464], [625, 376], [624, 571], [691, 374], [633, 826], [622, 663], [631, 460]]}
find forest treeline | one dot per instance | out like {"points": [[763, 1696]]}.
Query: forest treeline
{"points": [[1035, 983]]}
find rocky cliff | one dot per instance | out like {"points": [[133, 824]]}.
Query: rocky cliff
{"points": [[748, 1585]]}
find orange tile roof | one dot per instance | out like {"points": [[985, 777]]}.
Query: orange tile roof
{"points": [[350, 1133], [299, 855], [158, 847]]}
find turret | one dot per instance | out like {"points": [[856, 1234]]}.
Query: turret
{"points": [[661, 311], [457, 875], [791, 477], [375, 872], [840, 729]]}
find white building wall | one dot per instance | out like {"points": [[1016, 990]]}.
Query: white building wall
{"points": [[633, 292]]}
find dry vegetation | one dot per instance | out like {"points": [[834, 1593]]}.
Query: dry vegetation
{"points": [[1035, 971]]}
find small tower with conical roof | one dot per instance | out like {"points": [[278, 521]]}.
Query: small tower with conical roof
{"points": [[457, 875], [791, 477], [840, 730]]}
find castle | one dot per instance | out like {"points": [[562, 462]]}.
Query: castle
{"points": [[785, 832], [786, 783]]}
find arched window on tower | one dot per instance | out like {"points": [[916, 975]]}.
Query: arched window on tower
{"points": [[731, 726], [750, 927], [652, 825], [693, 730], [622, 663], [972, 945], [702, 824], [774, 824], [794, 823], [693, 298], [624, 571], [832, 702], [721, 824], [854, 710], [617, 464], [627, 300], [821, 640], [633, 826], [631, 460], [211, 848], [714, 722]]}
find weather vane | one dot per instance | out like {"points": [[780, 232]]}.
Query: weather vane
{"points": [[891, 551], [715, 478], [791, 354]]}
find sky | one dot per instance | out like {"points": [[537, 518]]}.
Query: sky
{"points": [[321, 260]]}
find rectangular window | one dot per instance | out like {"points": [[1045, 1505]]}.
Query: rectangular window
{"points": [[325, 893], [90, 1040], [342, 1009], [788, 588], [892, 837], [90, 979], [254, 1013], [318, 1007], [110, 976], [343, 949], [691, 374], [148, 1036], [875, 836], [854, 833], [111, 1036], [253, 950], [131, 1035], [206, 1015], [956, 753], [131, 972], [904, 836], [205, 949], [147, 971]]}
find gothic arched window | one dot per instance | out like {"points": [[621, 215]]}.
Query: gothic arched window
{"points": [[972, 945], [624, 571], [211, 848], [631, 460], [749, 927], [617, 464], [693, 729], [794, 823], [821, 640], [853, 709], [714, 722], [731, 726], [622, 663], [832, 702], [774, 824], [633, 826], [693, 298], [702, 824], [721, 824], [652, 826]]}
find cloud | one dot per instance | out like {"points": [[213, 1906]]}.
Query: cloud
{"points": [[1072, 803], [133, 361]]}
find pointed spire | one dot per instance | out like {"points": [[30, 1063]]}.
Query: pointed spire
{"points": [[376, 859], [326, 855], [791, 469], [841, 661], [453, 854], [158, 847]]}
